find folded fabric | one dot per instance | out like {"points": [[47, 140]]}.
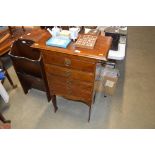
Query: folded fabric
{"points": [[2, 75]]}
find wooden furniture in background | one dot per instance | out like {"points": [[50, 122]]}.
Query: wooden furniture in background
{"points": [[4, 37], [5, 46], [71, 72], [6, 41], [11, 29]]}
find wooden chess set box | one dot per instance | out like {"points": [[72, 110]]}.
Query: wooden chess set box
{"points": [[86, 41]]}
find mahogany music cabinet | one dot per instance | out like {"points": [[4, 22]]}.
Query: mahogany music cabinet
{"points": [[71, 71]]}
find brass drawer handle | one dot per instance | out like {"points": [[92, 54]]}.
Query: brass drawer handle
{"points": [[67, 62]]}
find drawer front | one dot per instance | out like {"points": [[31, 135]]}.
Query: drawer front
{"points": [[68, 61], [69, 73], [70, 88]]}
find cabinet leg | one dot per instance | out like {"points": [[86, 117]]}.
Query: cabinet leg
{"points": [[48, 96], [25, 90], [10, 80], [24, 86], [89, 113], [54, 103], [3, 119], [94, 98]]}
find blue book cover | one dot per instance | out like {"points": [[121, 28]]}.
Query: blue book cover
{"points": [[59, 41], [2, 76]]}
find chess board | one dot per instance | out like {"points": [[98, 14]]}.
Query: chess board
{"points": [[86, 41]]}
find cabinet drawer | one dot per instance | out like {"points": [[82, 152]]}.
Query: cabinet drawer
{"points": [[68, 61], [69, 73], [70, 88]]}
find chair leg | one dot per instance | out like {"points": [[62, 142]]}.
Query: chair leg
{"points": [[3, 119]]}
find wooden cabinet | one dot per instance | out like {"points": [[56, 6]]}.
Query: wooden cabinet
{"points": [[70, 74]]}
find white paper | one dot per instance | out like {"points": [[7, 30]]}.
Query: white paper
{"points": [[87, 30], [109, 83]]}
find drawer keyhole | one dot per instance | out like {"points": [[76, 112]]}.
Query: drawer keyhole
{"points": [[67, 62]]}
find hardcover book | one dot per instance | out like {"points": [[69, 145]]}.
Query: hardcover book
{"points": [[59, 41]]}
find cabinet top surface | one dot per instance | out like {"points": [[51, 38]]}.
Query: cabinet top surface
{"points": [[100, 51]]}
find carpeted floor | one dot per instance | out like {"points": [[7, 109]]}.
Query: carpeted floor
{"points": [[132, 106]]}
